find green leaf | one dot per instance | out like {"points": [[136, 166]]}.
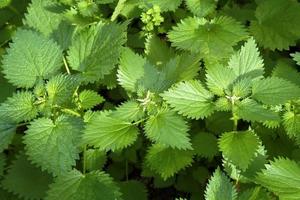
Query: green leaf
{"points": [[77, 186], [95, 159], [4, 3], [128, 111], [247, 62], [25, 180], [166, 5], [60, 89], [180, 68], [239, 147], [118, 9], [64, 34], [282, 177], [31, 57], [157, 50], [205, 145], [296, 57], [54, 145], [274, 91], [242, 88], [190, 99], [201, 8], [131, 69], [271, 29], [187, 66], [154, 80], [107, 133], [249, 175], [200, 35], [223, 104], [219, 78], [291, 123], [167, 161], [41, 18], [89, 98], [220, 187], [250, 110], [99, 39], [287, 71], [169, 129], [7, 132], [133, 190], [256, 193], [20, 107]]}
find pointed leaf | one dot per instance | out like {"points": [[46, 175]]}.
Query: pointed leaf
{"points": [[7, 132], [89, 98], [247, 62], [199, 34], [205, 145], [95, 159], [20, 107], [131, 69], [239, 147], [60, 89], [109, 133], [128, 111], [219, 78], [274, 91], [77, 186], [201, 8], [296, 57], [220, 187], [190, 99], [169, 129], [166, 5], [54, 145], [99, 39], [41, 18], [26, 180], [282, 177], [250, 110], [277, 24], [167, 161], [291, 123], [157, 50], [30, 57]]}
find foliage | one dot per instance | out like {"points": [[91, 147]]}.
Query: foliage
{"points": [[149, 99]]}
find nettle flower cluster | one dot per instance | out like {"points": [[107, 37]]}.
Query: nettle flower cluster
{"points": [[152, 18]]}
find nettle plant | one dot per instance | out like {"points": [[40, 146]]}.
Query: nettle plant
{"points": [[95, 117]]}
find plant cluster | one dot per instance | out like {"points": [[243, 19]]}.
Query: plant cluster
{"points": [[150, 99]]}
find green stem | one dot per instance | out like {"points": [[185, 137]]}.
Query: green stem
{"points": [[234, 117], [66, 65], [69, 111], [235, 123], [23, 124], [140, 121]]}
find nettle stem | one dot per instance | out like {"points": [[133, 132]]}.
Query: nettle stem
{"points": [[235, 121], [66, 65], [235, 118]]}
